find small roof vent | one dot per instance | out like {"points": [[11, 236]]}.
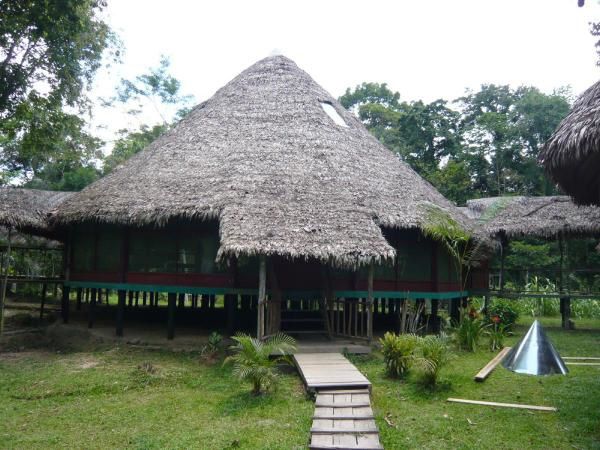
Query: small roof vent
{"points": [[333, 114]]}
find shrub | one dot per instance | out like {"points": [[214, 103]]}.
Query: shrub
{"points": [[211, 349], [252, 359], [469, 330], [496, 333], [506, 313], [433, 355], [398, 352]]}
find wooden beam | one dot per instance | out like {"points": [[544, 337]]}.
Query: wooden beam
{"points": [[584, 358], [262, 286], [503, 405], [582, 363], [489, 367]]}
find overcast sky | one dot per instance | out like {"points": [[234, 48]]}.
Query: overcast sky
{"points": [[423, 49]]}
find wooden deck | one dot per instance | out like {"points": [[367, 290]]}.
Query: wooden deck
{"points": [[329, 371]]}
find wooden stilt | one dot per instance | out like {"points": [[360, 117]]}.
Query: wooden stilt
{"points": [[181, 301], [43, 300], [120, 312], [78, 296], [92, 308], [172, 298], [370, 303], [454, 308], [64, 304], [6, 267], [262, 287], [231, 301], [137, 298], [205, 301], [144, 295], [130, 302], [152, 299], [107, 297], [434, 317]]}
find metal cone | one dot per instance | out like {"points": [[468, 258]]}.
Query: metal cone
{"points": [[535, 355]]}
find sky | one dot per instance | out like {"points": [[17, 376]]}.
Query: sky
{"points": [[425, 49]]}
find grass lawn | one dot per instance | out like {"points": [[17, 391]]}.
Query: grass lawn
{"points": [[109, 397], [423, 419]]}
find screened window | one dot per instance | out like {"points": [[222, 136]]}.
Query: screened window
{"points": [[415, 261], [83, 251], [108, 258], [446, 266], [170, 252]]}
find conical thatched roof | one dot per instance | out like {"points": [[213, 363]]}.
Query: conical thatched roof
{"points": [[281, 177], [543, 217], [572, 154], [28, 209]]}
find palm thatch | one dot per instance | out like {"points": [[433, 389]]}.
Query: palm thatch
{"points": [[571, 156], [28, 210], [543, 217], [281, 177]]}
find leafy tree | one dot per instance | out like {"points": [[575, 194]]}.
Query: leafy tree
{"points": [[53, 47], [157, 88], [49, 53]]}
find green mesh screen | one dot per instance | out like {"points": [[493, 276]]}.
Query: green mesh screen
{"points": [[83, 251], [108, 258], [385, 271], [169, 252], [414, 260], [446, 266]]}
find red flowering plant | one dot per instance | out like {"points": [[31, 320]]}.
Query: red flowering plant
{"points": [[497, 332]]}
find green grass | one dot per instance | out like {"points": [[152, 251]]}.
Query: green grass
{"points": [[105, 398], [423, 419]]}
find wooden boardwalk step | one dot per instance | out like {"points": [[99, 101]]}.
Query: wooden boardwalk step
{"points": [[329, 370], [344, 442], [344, 426]]}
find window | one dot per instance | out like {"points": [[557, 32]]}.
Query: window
{"points": [[333, 114]]}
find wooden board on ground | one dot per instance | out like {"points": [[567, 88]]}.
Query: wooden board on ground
{"points": [[582, 358], [485, 372], [582, 363], [503, 405]]}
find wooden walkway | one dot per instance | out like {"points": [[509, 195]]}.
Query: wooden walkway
{"points": [[329, 371], [343, 417]]}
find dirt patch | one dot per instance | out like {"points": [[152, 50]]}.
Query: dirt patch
{"points": [[14, 357]]}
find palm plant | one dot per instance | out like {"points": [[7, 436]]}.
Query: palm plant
{"points": [[433, 356], [252, 359], [467, 332]]}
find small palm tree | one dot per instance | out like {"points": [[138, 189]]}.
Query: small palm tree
{"points": [[252, 359]]}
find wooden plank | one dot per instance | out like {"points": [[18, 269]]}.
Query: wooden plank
{"points": [[503, 405], [582, 364], [490, 366], [583, 358], [345, 391]]}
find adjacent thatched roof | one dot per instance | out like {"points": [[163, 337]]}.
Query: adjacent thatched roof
{"points": [[572, 154], [281, 177], [544, 217], [27, 210]]}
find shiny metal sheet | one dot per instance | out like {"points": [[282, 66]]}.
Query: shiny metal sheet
{"points": [[535, 355]]}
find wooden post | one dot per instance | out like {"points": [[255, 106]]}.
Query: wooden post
{"points": [[455, 310], [262, 288], [78, 295], [565, 300], [92, 308], [370, 302], [486, 304], [120, 312], [144, 294], [503, 242], [435, 305], [181, 301], [65, 303], [43, 302], [172, 299], [231, 301], [5, 281], [130, 300]]}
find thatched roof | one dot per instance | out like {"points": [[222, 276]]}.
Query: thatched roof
{"points": [[281, 177], [571, 156], [27, 210], [543, 217]]}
